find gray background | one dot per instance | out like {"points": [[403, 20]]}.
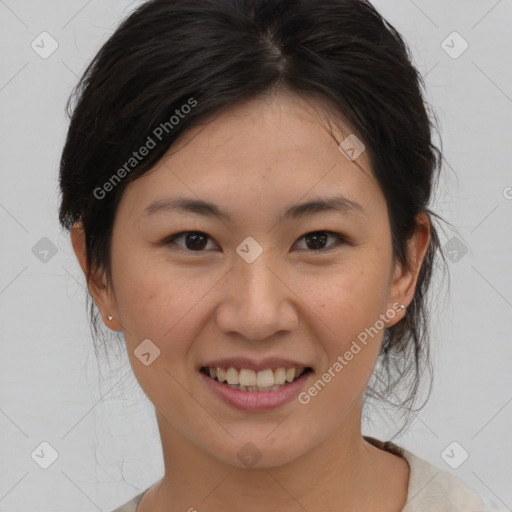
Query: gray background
{"points": [[102, 425]]}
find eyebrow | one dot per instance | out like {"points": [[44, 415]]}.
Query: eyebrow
{"points": [[337, 204]]}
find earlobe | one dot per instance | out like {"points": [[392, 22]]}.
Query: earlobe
{"points": [[95, 281]]}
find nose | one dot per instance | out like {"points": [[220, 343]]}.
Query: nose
{"points": [[257, 301]]}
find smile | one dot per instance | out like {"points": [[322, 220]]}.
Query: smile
{"points": [[244, 379]]}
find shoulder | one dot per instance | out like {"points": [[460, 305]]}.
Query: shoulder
{"points": [[431, 489], [434, 490], [131, 506]]}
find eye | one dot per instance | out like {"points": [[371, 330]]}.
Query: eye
{"points": [[317, 239], [195, 241]]}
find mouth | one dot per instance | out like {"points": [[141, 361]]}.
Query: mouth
{"points": [[244, 379]]}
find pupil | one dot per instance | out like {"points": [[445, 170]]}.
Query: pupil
{"points": [[314, 236], [195, 237]]}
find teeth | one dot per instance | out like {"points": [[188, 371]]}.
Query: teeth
{"points": [[299, 372], [221, 374], [248, 377], [290, 374], [280, 376], [250, 380], [232, 376], [265, 378]]}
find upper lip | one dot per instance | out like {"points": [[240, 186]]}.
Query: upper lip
{"points": [[251, 364]]}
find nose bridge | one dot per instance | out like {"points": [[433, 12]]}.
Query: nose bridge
{"points": [[253, 269], [259, 282], [257, 302]]}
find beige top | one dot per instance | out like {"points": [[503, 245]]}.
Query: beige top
{"points": [[430, 489]]}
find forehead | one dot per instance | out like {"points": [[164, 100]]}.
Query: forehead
{"points": [[283, 125], [270, 149]]}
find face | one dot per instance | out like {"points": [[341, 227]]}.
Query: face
{"points": [[260, 278]]}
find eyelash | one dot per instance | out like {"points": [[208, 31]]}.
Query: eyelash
{"points": [[340, 240]]}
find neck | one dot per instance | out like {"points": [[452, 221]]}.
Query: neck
{"points": [[342, 473]]}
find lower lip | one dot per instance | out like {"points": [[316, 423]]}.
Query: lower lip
{"points": [[256, 400]]}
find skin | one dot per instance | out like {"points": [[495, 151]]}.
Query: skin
{"points": [[255, 160]]}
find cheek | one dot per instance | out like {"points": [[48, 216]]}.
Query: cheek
{"points": [[158, 304], [349, 299], [347, 306], [347, 309], [162, 302]]}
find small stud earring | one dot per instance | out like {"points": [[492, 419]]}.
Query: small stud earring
{"points": [[110, 317], [401, 306]]}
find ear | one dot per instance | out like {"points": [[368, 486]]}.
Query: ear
{"points": [[97, 283], [405, 277]]}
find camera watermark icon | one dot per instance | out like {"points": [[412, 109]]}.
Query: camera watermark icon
{"points": [[44, 45], [44, 455], [352, 147], [146, 352], [454, 45], [455, 249], [44, 250], [249, 455], [249, 249], [454, 455]]}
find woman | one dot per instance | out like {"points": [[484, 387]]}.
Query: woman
{"points": [[247, 187]]}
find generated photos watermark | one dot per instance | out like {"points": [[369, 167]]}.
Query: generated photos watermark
{"points": [[343, 360], [137, 156]]}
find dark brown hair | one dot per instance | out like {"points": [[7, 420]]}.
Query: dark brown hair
{"points": [[219, 52]]}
